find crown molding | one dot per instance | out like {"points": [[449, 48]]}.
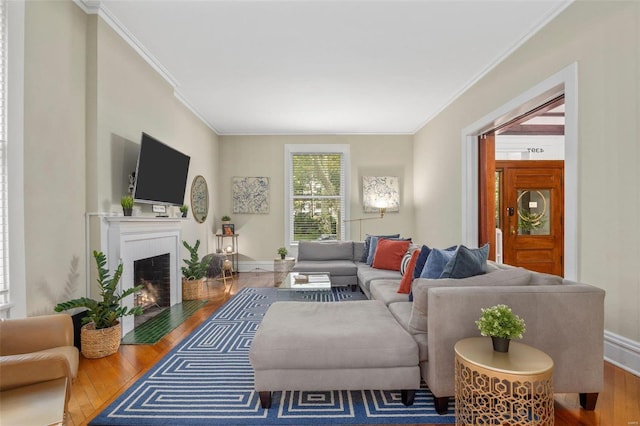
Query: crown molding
{"points": [[97, 7]]}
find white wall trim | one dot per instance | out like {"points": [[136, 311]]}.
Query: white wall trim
{"points": [[255, 266], [622, 352], [566, 81], [15, 157]]}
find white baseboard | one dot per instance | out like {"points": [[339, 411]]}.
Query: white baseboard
{"points": [[622, 352], [255, 266]]}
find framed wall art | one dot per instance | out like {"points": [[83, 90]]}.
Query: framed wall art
{"points": [[380, 191], [251, 195]]}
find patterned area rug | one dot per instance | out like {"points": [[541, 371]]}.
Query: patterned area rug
{"points": [[207, 379]]}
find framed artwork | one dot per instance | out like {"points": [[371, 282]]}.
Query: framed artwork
{"points": [[228, 229], [380, 191], [251, 195]]}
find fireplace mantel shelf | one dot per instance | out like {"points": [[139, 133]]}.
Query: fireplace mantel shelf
{"points": [[134, 219]]}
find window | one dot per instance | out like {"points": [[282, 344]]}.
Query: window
{"points": [[316, 192], [4, 241]]}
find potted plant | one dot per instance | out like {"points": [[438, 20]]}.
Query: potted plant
{"points": [[184, 209], [193, 275], [226, 219], [127, 204], [101, 333], [282, 252], [502, 325]]}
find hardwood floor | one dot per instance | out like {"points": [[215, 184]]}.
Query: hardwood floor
{"points": [[100, 381]]}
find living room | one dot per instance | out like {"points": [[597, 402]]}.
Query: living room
{"points": [[88, 95]]}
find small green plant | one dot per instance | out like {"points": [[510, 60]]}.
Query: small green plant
{"points": [[500, 321], [196, 268], [126, 202], [104, 313], [184, 208], [282, 252], [226, 218]]}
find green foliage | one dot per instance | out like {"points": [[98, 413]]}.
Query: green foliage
{"points": [[184, 208], [126, 202], [282, 252], [104, 313], [500, 321], [196, 268], [226, 218]]}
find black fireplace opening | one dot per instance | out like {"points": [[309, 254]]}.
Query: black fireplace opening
{"points": [[154, 275]]}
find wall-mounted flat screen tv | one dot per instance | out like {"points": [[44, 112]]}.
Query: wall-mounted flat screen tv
{"points": [[161, 173]]}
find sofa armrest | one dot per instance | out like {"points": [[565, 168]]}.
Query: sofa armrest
{"points": [[28, 369], [24, 335], [564, 321]]}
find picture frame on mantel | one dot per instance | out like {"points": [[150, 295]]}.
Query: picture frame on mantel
{"points": [[228, 229]]}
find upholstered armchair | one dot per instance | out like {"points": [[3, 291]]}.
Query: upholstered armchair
{"points": [[37, 349]]}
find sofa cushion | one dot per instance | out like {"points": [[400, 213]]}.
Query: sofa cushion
{"points": [[407, 278], [467, 262], [367, 245], [540, 278], [366, 274], [333, 250], [436, 262], [401, 311], [334, 267], [386, 291], [389, 254], [422, 259]]}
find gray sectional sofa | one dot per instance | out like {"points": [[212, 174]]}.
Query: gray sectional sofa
{"points": [[563, 318]]}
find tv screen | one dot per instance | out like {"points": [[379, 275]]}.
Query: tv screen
{"points": [[161, 173]]}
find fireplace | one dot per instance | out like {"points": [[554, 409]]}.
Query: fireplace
{"points": [[138, 240], [154, 275]]}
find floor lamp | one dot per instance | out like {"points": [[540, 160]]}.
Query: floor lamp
{"points": [[360, 220]]}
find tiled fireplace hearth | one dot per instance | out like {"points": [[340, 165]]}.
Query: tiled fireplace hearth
{"points": [[132, 239]]}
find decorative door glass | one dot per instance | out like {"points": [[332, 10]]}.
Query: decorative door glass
{"points": [[534, 206]]}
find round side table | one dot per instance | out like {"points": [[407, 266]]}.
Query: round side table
{"points": [[513, 388]]}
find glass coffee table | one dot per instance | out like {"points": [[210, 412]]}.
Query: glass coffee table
{"points": [[304, 285]]}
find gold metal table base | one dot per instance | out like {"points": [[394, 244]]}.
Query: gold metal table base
{"points": [[486, 395]]}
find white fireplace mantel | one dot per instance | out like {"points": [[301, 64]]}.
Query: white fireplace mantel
{"points": [[129, 238]]}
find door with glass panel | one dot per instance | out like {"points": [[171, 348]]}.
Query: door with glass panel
{"points": [[530, 214]]}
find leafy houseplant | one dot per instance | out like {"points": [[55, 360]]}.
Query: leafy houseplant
{"points": [[226, 219], [184, 209], [102, 314], [127, 204], [194, 273], [282, 252], [500, 322]]}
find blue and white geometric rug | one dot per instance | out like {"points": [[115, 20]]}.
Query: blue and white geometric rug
{"points": [[207, 379]]}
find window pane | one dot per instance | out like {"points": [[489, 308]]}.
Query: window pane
{"points": [[533, 212], [316, 219], [317, 174]]}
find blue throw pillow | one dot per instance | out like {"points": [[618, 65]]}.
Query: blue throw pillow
{"points": [[422, 259], [436, 262], [373, 244], [467, 262], [367, 245]]}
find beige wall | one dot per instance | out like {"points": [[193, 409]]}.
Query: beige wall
{"points": [[261, 235], [88, 97], [603, 38]]}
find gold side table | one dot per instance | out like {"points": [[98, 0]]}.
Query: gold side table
{"points": [[513, 388]]}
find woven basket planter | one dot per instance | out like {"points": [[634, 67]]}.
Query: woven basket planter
{"points": [[192, 289], [100, 343]]}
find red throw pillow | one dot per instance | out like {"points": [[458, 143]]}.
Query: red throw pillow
{"points": [[407, 278], [389, 254]]}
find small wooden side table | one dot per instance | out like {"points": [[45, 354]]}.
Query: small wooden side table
{"points": [[513, 388]]}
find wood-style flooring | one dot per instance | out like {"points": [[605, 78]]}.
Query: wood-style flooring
{"points": [[100, 381]]}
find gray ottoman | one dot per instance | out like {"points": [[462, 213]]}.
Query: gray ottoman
{"points": [[308, 346]]}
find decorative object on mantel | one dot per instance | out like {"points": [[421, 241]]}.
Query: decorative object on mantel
{"points": [[282, 252], [127, 205], [502, 325], [380, 194], [199, 199], [193, 275], [101, 334], [251, 195], [184, 209]]}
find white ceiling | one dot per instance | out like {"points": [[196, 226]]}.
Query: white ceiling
{"points": [[327, 66]]}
